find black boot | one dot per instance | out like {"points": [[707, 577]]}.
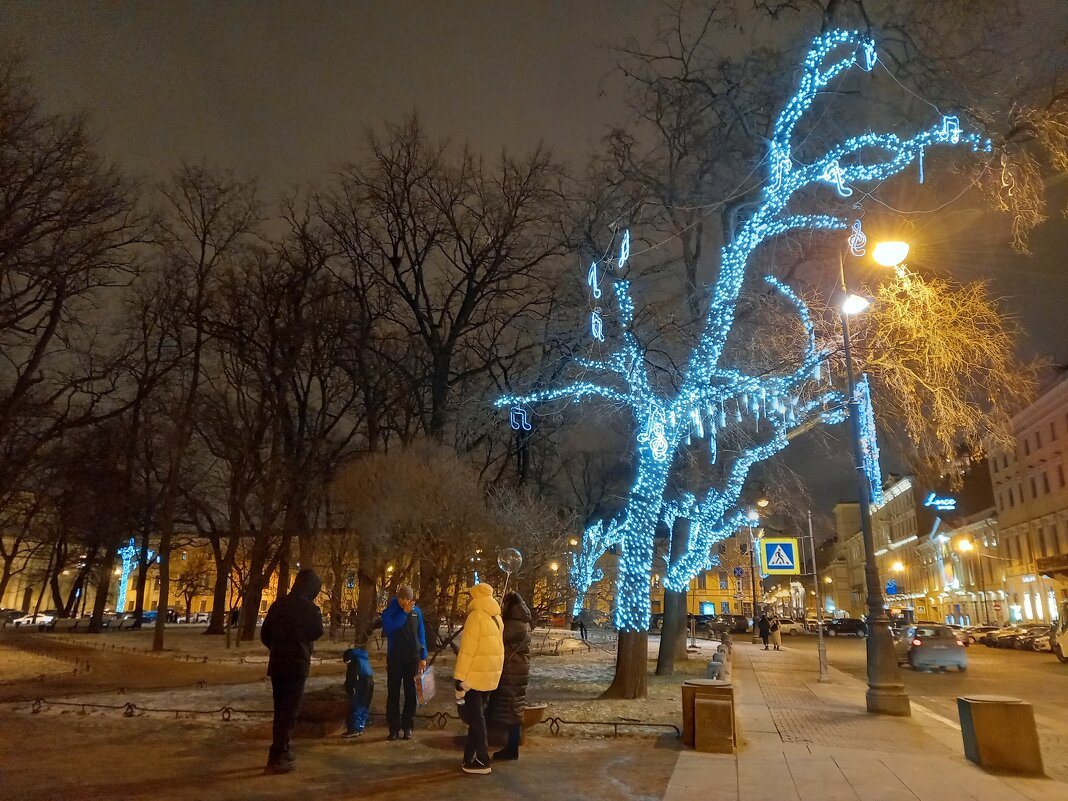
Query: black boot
{"points": [[505, 754]]}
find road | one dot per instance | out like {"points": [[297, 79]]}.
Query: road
{"points": [[1034, 677]]}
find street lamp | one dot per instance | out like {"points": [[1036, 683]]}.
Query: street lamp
{"points": [[886, 692], [890, 254]]}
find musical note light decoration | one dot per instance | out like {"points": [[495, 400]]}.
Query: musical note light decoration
{"points": [[696, 405], [858, 241], [519, 419]]}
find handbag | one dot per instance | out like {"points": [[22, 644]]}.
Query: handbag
{"points": [[425, 685]]}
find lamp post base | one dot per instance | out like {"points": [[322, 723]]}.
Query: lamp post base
{"points": [[886, 691], [888, 701]]}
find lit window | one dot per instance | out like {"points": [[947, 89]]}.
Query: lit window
{"points": [[1028, 612], [1038, 606]]}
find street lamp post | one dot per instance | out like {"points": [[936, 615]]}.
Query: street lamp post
{"points": [[886, 692], [753, 517], [821, 646]]}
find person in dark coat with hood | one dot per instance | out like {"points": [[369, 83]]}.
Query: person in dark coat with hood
{"points": [[292, 625], [510, 697]]}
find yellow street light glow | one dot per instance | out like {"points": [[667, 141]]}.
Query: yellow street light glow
{"points": [[763, 503], [554, 566], [890, 254], [854, 304], [965, 545], [897, 567], [573, 541], [389, 569], [827, 580]]}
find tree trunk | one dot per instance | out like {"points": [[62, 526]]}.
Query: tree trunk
{"points": [[250, 607], [336, 585], [217, 624], [103, 587], [142, 575], [632, 666], [674, 627]]}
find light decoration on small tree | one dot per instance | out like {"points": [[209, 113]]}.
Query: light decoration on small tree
{"points": [[596, 539], [129, 553], [698, 406]]}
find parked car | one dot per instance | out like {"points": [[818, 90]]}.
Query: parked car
{"points": [[972, 635], [787, 625], [40, 620], [990, 638], [1023, 642], [931, 647], [8, 616], [1007, 639], [843, 626], [200, 617]]}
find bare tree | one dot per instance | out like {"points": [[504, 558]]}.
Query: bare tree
{"points": [[207, 221]]}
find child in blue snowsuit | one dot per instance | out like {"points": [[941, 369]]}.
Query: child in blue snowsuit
{"points": [[359, 687]]}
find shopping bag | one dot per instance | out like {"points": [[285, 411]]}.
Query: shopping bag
{"points": [[425, 685]]}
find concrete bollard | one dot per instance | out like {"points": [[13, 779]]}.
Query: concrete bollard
{"points": [[695, 689], [999, 733]]}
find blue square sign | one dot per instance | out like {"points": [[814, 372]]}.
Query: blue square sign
{"points": [[779, 556]]}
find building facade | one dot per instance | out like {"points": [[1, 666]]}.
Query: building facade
{"points": [[1031, 499]]}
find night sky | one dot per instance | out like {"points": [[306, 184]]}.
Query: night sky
{"points": [[284, 91]]}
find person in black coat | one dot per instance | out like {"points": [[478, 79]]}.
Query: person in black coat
{"points": [[764, 627], [509, 699], [292, 625]]}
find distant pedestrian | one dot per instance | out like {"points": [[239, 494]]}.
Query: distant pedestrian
{"points": [[359, 687], [578, 624], [774, 631], [510, 698], [764, 627], [402, 623], [478, 672], [292, 625]]}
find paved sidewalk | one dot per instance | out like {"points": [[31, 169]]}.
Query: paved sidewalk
{"points": [[802, 740]]}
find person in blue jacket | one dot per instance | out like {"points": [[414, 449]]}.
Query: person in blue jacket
{"points": [[359, 687], [402, 623]]}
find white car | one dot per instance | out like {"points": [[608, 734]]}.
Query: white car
{"points": [[787, 625], [40, 619]]}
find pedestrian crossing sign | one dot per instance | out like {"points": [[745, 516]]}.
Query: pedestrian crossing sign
{"points": [[779, 556]]}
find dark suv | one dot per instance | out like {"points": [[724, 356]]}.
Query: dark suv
{"points": [[847, 625]]}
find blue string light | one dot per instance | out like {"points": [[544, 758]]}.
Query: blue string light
{"points": [[129, 554], [869, 441], [775, 403]]}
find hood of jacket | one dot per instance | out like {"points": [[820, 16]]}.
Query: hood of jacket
{"points": [[515, 608], [482, 600], [307, 584]]}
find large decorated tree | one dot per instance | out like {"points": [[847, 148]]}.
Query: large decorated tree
{"points": [[711, 397]]}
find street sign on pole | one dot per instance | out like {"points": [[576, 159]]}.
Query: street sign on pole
{"points": [[778, 556]]}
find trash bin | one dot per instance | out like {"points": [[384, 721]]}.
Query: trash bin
{"points": [[999, 733]]}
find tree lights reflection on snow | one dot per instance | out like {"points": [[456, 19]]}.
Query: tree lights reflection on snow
{"points": [[773, 404]]}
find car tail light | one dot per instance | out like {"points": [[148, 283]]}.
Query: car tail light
{"points": [[917, 641]]}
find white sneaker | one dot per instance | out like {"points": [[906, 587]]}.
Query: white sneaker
{"points": [[477, 766]]}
